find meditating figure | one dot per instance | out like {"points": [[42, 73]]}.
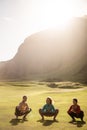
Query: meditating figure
{"points": [[48, 109], [75, 111], [22, 109]]}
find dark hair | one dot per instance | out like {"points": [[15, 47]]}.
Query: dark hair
{"points": [[24, 97], [75, 100], [50, 99]]}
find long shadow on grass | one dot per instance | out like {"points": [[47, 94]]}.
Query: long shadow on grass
{"points": [[47, 122], [79, 123], [17, 121]]}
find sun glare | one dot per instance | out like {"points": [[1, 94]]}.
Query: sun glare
{"points": [[56, 12]]}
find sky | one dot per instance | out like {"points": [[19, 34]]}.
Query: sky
{"points": [[21, 18]]}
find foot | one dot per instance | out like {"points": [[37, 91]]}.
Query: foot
{"points": [[73, 121], [24, 118], [55, 120], [42, 118], [16, 117], [83, 121]]}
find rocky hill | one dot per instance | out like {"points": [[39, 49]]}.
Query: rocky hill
{"points": [[51, 55]]}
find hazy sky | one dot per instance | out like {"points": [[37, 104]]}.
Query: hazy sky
{"points": [[21, 18]]}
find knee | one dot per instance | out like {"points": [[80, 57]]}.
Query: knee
{"points": [[68, 112], [16, 109], [57, 111], [29, 110], [82, 113], [40, 110], [17, 112]]}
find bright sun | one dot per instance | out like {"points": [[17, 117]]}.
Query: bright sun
{"points": [[56, 12], [60, 13]]}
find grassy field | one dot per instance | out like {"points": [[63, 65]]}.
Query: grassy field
{"points": [[11, 94]]}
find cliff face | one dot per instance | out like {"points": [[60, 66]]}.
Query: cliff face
{"points": [[51, 54]]}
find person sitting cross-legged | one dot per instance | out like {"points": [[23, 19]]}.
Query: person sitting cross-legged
{"points": [[48, 109], [22, 109], [75, 111]]}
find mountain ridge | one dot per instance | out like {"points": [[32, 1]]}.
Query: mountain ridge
{"points": [[51, 54]]}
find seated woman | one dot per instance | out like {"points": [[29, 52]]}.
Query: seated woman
{"points": [[75, 111], [22, 109], [48, 109]]}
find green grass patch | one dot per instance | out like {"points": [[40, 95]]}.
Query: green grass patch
{"points": [[11, 94]]}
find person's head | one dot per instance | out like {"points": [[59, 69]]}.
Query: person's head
{"points": [[75, 101], [24, 98], [49, 100]]}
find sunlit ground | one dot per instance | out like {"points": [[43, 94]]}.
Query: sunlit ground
{"points": [[11, 94]]}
